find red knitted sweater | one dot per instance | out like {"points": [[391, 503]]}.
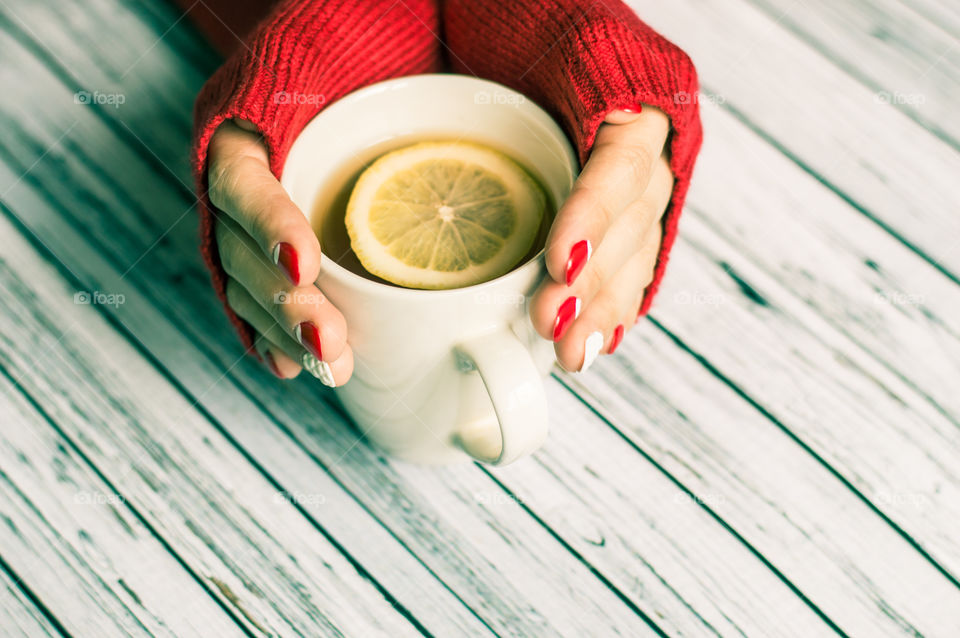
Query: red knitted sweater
{"points": [[579, 61]]}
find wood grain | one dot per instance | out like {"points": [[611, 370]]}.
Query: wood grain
{"points": [[243, 539], [68, 535], [940, 13], [153, 65], [866, 422], [875, 156], [908, 61], [780, 499], [863, 419], [666, 575], [19, 616], [848, 272], [836, 285]]}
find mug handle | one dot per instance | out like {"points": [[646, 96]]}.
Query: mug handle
{"points": [[515, 387]]}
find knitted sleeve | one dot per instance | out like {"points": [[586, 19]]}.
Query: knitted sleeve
{"points": [[304, 55], [580, 61]]}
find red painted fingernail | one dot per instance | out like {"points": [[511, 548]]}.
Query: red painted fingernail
{"points": [[635, 109], [271, 363], [616, 338], [309, 337], [285, 256], [579, 255], [567, 312]]}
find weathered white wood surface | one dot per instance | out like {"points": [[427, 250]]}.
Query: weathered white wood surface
{"points": [[883, 162], [942, 14], [749, 486], [846, 269], [833, 289], [69, 536], [20, 616], [234, 530], [909, 62], [745, 470]]}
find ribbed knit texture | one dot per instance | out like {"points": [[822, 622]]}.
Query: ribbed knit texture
{"points": [[577, 60]]}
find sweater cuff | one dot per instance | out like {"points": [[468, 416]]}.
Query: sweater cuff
{"points": [[580, 63], [631, 64], [304, 55]]}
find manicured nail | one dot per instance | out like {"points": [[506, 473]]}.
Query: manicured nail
{"points": [[271, 363], [591, 349], [616, 338], [568, 311], [319, 369], [285, 256], [308, 335], [636, 109], [579, 255]]}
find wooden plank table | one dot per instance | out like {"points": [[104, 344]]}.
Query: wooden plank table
{"points": [[775, 452]]}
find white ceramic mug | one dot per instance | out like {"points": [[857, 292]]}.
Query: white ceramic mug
{"points": [[440, 376]]}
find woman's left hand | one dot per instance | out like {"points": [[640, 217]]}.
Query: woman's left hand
{"points": [[603, 245]]}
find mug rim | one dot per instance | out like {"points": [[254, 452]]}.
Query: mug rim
{"points": [[329, 267]]}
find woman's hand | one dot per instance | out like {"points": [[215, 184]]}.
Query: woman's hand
{"points": [[603, 245], [272, 259]]}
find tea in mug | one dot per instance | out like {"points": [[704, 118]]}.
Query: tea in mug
{"points": [[433, 214]]}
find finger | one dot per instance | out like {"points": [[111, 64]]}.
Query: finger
{"points": [[288, 355], [241, 184], [278, 350], [250, 311], [627, 235], [617, 173], [246, 125], [304, 312], [603, 323], [648, 263], [650, 253], [276, 360]]}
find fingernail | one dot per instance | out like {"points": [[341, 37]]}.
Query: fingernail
{"points": [[579, 254], [566, 314], [308, 335], [635, 109], [319, 369], [285, 256], [591, 349], [616, 338], [271, 363]]}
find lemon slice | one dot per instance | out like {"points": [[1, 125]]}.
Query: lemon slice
{"points": [[443, 215]]}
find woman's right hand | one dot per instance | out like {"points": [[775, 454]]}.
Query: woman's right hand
{"points": [[272, 259]]}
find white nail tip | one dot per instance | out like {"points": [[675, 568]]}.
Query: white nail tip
{"points": [[276, 254], [591, 349], [319, 369]]}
